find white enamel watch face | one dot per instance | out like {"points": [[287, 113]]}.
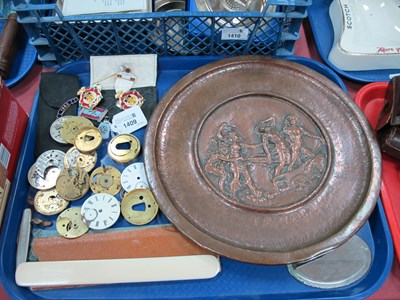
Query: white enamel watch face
{"points": [[55, 129], [134, 177], [100, 211]]}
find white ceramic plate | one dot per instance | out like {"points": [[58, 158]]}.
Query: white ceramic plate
{"points": [[366, 34]]}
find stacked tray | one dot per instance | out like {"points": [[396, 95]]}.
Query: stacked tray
{"points": [[237, 279], [370, 99], [321, 26]]}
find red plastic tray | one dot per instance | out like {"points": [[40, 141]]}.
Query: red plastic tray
{"points": [[370, 99]]}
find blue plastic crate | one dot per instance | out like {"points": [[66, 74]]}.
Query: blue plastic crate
{"points": [[24, 59], [60, 39], [237, 280]]}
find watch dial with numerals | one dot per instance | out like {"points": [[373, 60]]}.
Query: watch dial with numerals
{"points": [[100, 211], [134, 177]]}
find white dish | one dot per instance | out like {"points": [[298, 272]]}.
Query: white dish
{"points": [[366, 34]]}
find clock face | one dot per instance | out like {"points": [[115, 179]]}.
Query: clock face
{"points": [[134, 177], [100, 211]]}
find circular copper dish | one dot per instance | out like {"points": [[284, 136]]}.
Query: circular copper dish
{"points": [[262, 160]]}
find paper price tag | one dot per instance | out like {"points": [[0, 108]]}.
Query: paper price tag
{"points": [[236, 34], [129, 120]]}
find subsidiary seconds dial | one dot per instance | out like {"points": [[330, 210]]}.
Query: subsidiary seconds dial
{"points": [[100, 211], [134, 177]]}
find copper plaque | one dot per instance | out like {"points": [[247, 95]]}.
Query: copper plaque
{"points": [[262, 160]]}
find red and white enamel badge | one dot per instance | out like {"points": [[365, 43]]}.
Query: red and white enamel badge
{"points": [[89, 97], [128, 99]]}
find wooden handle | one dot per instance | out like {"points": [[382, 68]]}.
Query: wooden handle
{"points": [[8, 45]]}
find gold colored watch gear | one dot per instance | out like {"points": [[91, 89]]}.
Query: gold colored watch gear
{"points": [[88, 139], [55, 129], [73, 183], [105, 179], [136, 198], [70, 225], [124, 148], [76, 159], [49, 202], [71, 127]]}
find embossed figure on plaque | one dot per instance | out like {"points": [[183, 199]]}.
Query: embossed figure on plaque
{"points": [[280, 165], [273, 144], [294, 133], [228, 161]]}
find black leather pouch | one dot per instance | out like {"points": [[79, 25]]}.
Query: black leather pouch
{"points": [[54, 90]]}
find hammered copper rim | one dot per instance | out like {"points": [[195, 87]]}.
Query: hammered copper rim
{"points": [[262, 160]]}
